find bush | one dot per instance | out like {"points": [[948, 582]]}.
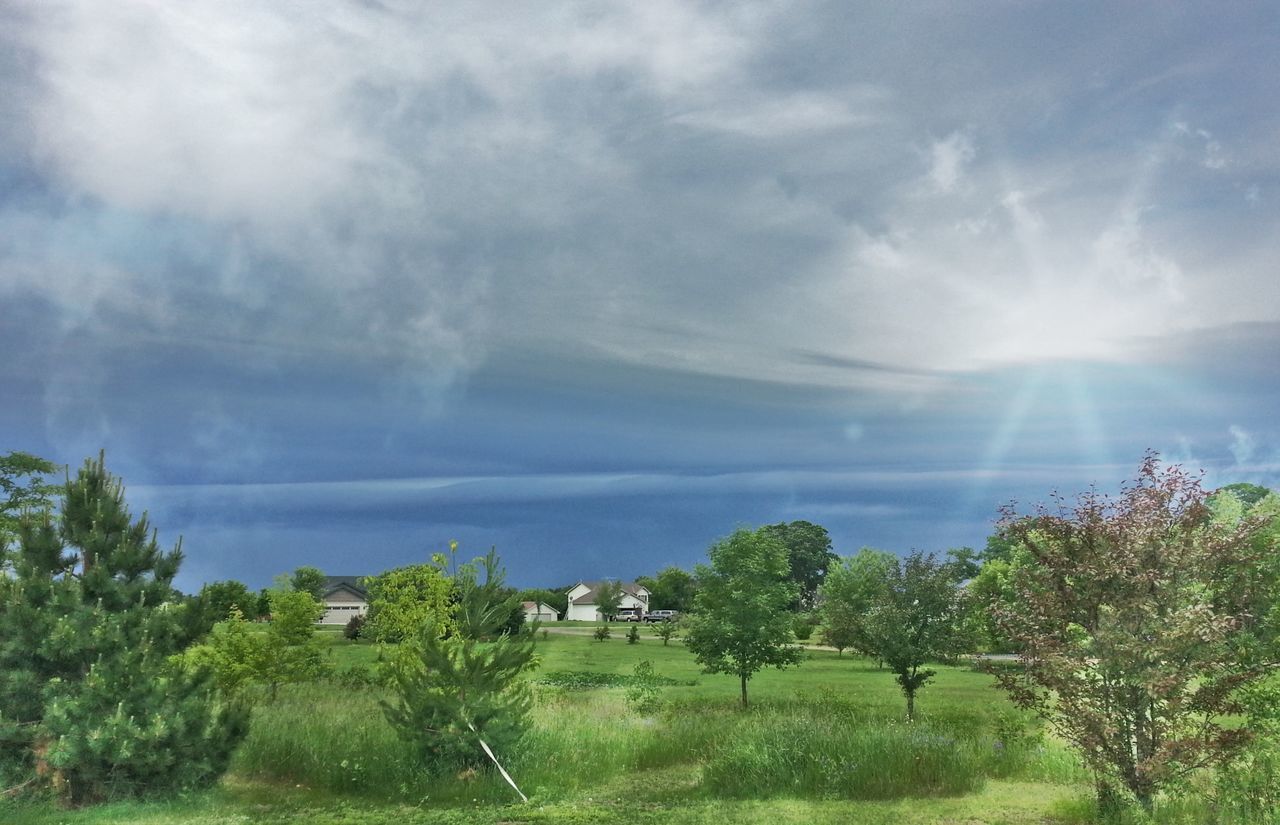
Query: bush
{"points": [[602, 633], [633, 635], [802, 627], [643, 695], [354, 628]]}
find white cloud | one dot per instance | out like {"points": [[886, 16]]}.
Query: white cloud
{"points": [[949, 157], [1243, 444]]}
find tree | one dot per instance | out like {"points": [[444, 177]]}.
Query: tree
{"points": [[916, 619], [309, 580], [608, 600], [809, 555], [850, 589], [666, 631], [454, 693], [741, 622], [671, 589], [88, 691], [1134, 614], [404, 600], [286, 653], [23, 490], [294, 614], [214, 603], [1248, 494]]}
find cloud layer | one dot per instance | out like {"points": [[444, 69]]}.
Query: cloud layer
{"points": [[276, 242]]}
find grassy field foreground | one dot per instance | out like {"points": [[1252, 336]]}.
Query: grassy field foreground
{"points": [[824, 742]]}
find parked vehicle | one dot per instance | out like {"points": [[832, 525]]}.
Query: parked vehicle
{"points": [[630, 614], [662, 615]]}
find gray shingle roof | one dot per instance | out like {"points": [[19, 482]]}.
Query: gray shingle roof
{"points": [[332, 583]]}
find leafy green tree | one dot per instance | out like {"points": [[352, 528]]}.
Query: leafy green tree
{"points": [[309, 580], [741, 621], [214, 603], [916, 619], [809, 555], [993, 585], [23, 489], [405, 600], [609, 600], [671, 589], [852, 586], [1247, 494], [286, 653], [1135, 617], [454, 692], [262, 607], [89, 695], [666, 631], [294, 614]]}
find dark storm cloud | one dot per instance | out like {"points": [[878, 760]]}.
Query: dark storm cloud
{"points": [[597, 281]]}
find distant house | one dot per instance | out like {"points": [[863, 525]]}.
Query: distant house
{"points": [[343, 597], [582, 600], [539, 612]]}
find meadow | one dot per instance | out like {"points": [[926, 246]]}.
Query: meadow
{"points": [[823, 742]]}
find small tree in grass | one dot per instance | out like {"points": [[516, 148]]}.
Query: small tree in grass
{"points": [[850, 590], [286, 653], [1134, 618], [601, 633], [609, 600], [454, 693], [916, 619], [741, 622], [666, 631], [405, 600], [633, 635]]}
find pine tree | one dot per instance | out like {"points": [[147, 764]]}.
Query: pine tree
{"points": [[455, 692], [89, 698]]}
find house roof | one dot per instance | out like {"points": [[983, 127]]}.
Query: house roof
{"points": [[332, 583], [536, 606], [630, 588]]}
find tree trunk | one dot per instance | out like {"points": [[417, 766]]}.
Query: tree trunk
{"points": [[743, 677], [911, 705]]}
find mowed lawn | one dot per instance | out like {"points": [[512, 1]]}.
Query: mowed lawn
{"points": [[822, 742]]}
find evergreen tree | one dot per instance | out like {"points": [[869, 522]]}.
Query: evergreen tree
{"points": [[89, 698], [456, 692]]}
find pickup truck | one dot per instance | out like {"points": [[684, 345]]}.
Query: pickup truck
{"points": [[662, 615]]}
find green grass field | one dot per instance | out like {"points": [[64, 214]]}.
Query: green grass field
{"points": [[824, 742]]}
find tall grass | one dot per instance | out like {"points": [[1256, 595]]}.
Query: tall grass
{"points": [[335, 739]]}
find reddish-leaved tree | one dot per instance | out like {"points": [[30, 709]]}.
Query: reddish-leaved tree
{"points": [[1130, 613]]}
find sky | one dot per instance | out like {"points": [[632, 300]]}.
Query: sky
{"points": [[336, 282]]}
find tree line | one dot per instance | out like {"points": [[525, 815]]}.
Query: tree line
{"points": [[1145, 627]]}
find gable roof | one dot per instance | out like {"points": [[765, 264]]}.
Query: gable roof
{"points": [[630, 588], [332, 583]]}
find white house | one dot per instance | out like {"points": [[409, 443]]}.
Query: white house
{"points": [[343, 598], [582, 600], [539, 612]]}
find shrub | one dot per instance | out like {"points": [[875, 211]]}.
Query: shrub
{"points": [[455, 694], [642, 694], [802, 627], [633, 635], [354, 628], [601, 633]]}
